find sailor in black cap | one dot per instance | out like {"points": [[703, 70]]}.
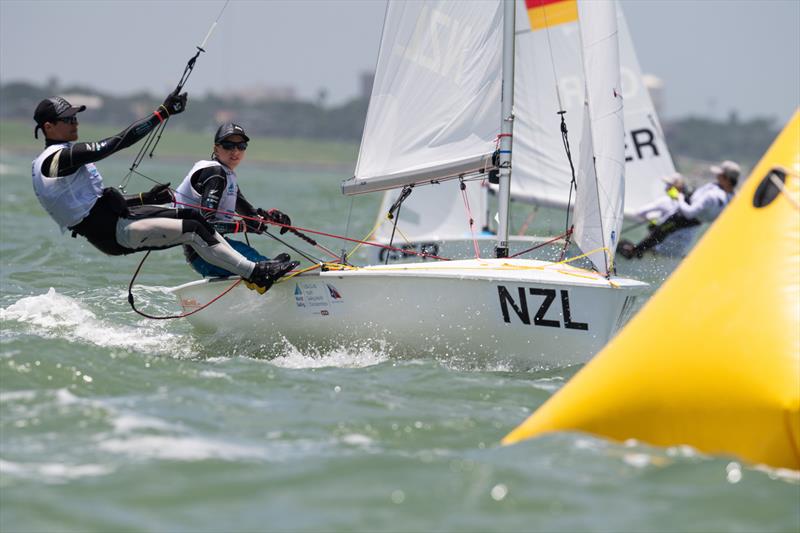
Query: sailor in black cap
{"points": [[212, 188], [70, 188]]}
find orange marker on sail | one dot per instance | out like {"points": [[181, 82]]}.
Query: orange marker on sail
{"points": [[548, 13]]}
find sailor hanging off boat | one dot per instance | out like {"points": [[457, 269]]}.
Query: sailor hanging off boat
{"points": [[211, 188], [70, 188], [677, 217]]}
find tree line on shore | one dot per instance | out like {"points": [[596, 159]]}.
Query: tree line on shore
{"points": [[693, 138]]}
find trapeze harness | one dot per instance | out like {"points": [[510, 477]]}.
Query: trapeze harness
{"points": [[213, 188]]}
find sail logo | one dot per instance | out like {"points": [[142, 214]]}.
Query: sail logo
{"points": [[333, 292], [298, 296], [523, 313], [440, 43], [189, 303]]}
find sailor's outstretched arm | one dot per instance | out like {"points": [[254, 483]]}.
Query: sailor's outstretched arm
{"points": [[67, 160]]}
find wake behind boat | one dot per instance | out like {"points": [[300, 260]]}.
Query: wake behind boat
{"points": [[441, 109]]}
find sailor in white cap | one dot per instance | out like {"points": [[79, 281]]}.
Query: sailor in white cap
{"points": [[675, 232], [708, 201]]}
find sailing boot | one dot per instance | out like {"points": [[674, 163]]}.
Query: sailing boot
{"points": [[268, 272], [280, 258]]}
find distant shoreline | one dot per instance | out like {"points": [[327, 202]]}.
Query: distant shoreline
{"points": [[177, 145]]}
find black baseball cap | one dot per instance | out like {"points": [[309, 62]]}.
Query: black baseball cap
{"points": [[227, 130], [51, 109]]}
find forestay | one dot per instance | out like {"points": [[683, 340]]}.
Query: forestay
{"points": [[435, 106]]}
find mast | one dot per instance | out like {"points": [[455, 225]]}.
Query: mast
{"points": [[506, 127]]}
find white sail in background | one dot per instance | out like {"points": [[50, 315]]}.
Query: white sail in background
{"points": [[551, 57], [541, 171], [435, 106], [601, 172], [435, 213]]}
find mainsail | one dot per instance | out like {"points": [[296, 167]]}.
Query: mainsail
{"points": [[435, 106]]}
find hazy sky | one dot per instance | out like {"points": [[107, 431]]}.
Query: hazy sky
{"points": [[713, 55]]}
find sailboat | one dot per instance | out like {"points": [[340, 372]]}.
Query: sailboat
{"points": [[441, 109], [434, 221]]}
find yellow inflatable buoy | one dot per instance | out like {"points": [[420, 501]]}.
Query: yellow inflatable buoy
{"points": [[713, 359]]}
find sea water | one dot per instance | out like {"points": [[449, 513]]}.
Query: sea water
{"points": [[112, 422]]}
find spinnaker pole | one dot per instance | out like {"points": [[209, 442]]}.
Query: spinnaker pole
{"points": [[506, 128]]}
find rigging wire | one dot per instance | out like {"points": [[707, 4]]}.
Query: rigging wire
{"points": [[345, 255], [154, 137], [464, 197], [394, 213]]}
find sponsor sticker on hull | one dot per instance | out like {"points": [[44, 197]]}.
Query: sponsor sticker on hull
{"points": [[316, 298]]}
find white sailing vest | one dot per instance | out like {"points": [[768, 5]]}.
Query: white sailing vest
{"points": [[186, 194], [67, 199]]}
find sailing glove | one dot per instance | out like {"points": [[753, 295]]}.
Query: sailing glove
{"points": [[160, 194], [175, 103], [276, 216], [256, 225], [673, 193]]}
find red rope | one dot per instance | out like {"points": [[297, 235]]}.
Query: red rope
{"points": [[471, 220], [315, 232], [554, 239], [184, 315]]}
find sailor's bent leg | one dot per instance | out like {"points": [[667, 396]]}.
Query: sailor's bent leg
{"points": [[159, 233]]}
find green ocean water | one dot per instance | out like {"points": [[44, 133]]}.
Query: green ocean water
{"points": [[111, 422]]}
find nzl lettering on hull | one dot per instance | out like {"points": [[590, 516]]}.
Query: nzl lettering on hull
{"points": [[517, 299]]}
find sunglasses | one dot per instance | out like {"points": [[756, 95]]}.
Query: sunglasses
{"points": [[68, 120], [230, 145]]}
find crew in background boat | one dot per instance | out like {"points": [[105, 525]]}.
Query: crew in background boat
{"points": [[70, 188], [211, 188], [674, 233]]}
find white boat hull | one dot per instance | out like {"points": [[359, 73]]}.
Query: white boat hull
{"points": [[521, 312]]}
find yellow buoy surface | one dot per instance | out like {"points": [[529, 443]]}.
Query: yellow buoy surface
{"points": [[713, 359]]}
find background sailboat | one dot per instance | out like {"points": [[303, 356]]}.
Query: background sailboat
{"points": [[435, 114], [549, 77]]}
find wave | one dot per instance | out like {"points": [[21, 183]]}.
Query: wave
{"points": [[343, 357], [56, 316]]}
